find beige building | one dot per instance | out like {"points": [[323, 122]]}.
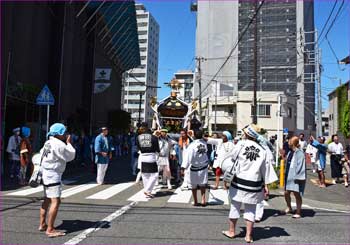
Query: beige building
{"points": [[235, 112]]}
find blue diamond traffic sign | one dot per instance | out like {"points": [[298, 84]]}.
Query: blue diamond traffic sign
{"points": [[45, 97]]}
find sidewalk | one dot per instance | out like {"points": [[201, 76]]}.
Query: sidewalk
{"points": [[332, 197]]}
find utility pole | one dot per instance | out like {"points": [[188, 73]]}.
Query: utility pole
{"points": [[319, 102], [216, 97], [199, 80], [140, 102], [255, 60]]}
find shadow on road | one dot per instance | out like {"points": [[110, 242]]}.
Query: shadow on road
{"points": [[71, 226], [265, 232]]}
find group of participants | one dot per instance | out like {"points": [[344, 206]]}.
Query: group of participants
{"points": [[252, 157]]}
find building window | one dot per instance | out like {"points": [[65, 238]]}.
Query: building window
{"points": [[263, 110]]}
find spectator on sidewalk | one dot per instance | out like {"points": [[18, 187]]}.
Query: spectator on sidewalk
{"points": [[336, 150], [302, 142], [103, 155], [57, 151], [295, 176], [25, 155], [14, 155], [311, 153], [320, 158]]}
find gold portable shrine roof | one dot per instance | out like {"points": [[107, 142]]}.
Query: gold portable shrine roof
{"points": [[172, 107]]}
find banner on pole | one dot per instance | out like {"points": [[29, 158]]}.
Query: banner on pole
{"points": [[103, 74], [100, 87]]}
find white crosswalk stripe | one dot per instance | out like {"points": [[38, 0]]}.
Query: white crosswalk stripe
{"points": [[140, 196], [180, 196], [29, 191], [219, 196], [77, 189], [215, 197], [111, 191]]}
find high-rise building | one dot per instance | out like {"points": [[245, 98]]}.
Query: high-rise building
{"points": [[284, 45], [185, 77], [147, 73]]}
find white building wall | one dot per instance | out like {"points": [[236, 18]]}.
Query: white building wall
{"points": [[147, 73]]}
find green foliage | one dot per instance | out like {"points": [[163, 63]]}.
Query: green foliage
{"points": [[345, 125]]}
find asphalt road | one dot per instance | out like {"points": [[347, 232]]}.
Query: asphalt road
{"points": [[119, 220]]}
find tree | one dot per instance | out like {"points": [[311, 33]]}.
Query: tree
{"points": [[345, 124]]}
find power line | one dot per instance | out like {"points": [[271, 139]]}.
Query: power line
{"points": [[335, 18], [235, 46], [329, 16]]}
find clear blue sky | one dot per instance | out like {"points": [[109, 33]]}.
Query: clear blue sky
{"points": [[177, 41]]}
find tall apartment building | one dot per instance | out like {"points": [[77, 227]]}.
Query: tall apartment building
{"points": [[186, 78], [285, 36], [147, 73]]}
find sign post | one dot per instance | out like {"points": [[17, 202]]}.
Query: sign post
{"points": [[45, 97]]}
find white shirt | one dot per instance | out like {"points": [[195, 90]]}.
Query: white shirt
{"points": [[302, 144], [55, 155], [13, 146], [334, 148], [195, 155], [312, 151], [223, 150]]}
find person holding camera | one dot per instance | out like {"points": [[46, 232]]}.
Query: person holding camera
{"points": [[57, 151]]}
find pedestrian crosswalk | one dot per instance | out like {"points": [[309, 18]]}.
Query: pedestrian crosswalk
{"points": [[131, 193]]}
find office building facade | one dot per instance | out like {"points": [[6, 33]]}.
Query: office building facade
{"points": [[147, 73], [284, 46]]}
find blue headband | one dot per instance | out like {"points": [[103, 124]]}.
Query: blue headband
{"points": [[57, 129], [227, 134]]}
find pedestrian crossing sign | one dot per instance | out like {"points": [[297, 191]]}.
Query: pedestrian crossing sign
{"points": [[45, 97]]}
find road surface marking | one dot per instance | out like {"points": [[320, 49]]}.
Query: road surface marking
{"points": [[140, 196], [77, 239], [180, 196], [324, 209], [80, 188], [111, 191], [30, 190], [219, 196]]}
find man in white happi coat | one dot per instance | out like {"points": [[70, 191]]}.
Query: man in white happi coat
{"points": [[166, 148], [224, 147], [57, 151], [196, 162], [184, 142], [252, 172], [149, 149]]}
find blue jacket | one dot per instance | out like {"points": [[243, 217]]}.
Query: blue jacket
{"points": [[101, 146], [322, 152]]}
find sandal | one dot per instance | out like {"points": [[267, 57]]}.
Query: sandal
{"points": [[248, 240], [287, 211], [296, 216], [225, 233], [42, 228], [55, 234], [196, 204]]}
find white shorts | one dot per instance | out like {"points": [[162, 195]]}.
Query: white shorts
{"points": [[53, 191], [197, 179], [249, 211]]}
